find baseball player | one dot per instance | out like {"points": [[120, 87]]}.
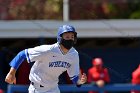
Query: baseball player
{"points": [[98, 74], [50, 61], [136, 78]]}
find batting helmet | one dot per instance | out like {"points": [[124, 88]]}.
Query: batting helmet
{"points": [[97, 61], [63, 29]]}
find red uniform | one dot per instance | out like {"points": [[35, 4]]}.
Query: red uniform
{"points": [[98, 73], [23, 74], [136, 78], [1, 91]]}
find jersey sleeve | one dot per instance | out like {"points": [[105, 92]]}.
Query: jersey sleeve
{"points": [[74, 70], [136, 76], [107, 77], [36, 53]]}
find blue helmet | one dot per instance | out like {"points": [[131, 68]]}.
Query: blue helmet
{"points": [[65, 28]]}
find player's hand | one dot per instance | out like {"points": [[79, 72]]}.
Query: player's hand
{"points": [[10, 78], [83, 79], [100, 83]]}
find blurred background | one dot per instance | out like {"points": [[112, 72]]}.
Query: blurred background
{"points": [[109, 29]]}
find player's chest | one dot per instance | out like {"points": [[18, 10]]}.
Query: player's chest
{"points": [[52, 57], [57, 61], [98, 75]]}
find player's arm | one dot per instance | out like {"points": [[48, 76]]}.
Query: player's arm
{"points": [[15, 63], [74, 72], [107, 76], [31, 54]]}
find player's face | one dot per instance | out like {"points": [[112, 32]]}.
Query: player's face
{"points": [[98, 66], [68, 36]]}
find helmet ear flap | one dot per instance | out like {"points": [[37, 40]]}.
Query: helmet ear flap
{"points": [[75, 39]]}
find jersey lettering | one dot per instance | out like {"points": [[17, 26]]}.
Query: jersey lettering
{"points": [[59, 64]]}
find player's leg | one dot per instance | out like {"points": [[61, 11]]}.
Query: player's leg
{"points": [[53, 90], [31, 89], [42, 90]]}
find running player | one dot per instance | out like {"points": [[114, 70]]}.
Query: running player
{"points": [[50, 62]]}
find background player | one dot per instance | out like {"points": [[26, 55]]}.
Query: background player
{"points": [[50, 62], [98, 74], [136, 78]]}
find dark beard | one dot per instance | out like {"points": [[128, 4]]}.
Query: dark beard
{"points": [[68, 44]]}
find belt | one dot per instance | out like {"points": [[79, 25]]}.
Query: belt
{"points": [[34, 84]]}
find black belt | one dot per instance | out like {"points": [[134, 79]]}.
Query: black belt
{"points": [[34, 84]]}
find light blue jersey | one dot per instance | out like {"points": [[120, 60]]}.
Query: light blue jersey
{"points": [[50, 63]]}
